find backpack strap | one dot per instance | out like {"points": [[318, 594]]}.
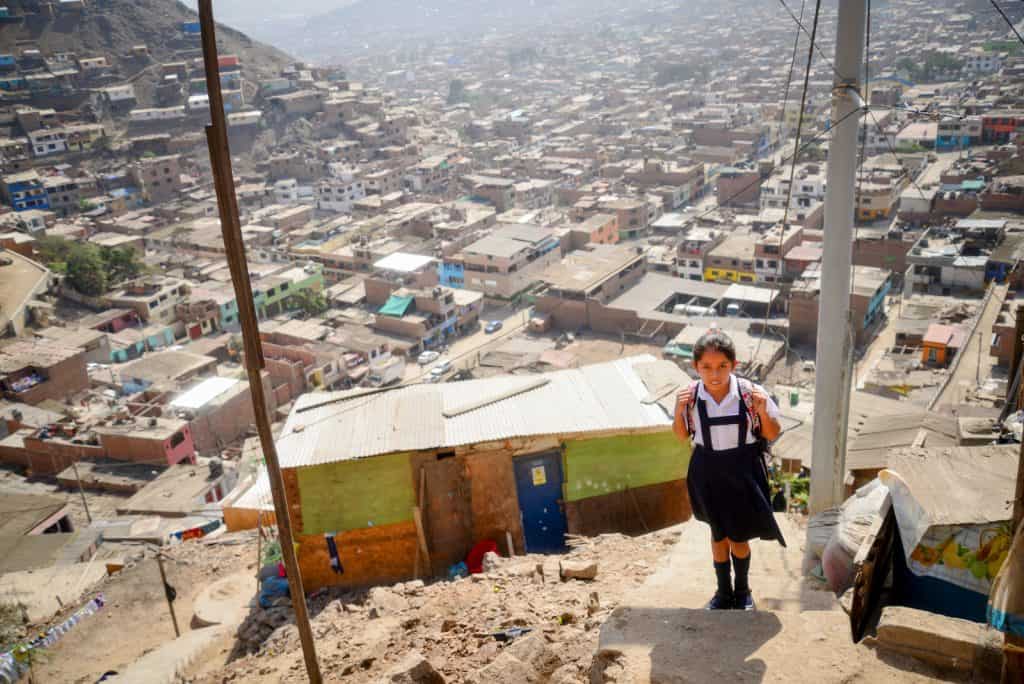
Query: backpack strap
{"points": [[747, 396], [688, 413]]}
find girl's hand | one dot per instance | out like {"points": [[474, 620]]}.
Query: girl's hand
{"points": [[682, 400], [760, 400]]}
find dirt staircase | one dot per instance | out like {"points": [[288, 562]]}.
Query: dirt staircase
{"points": [[661, 633]]}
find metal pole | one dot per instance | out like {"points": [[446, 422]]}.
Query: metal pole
{"points": [[833, 359], [74, 467], [227, 203], [167, 594]]}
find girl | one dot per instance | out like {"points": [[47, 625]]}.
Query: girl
{"points": [[728, 420]]}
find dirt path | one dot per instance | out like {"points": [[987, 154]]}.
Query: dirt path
{"points": [[974, 364]]}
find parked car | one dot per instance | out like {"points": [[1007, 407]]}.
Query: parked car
{"points": [[441, 368], [492, 327], [427, 357]]}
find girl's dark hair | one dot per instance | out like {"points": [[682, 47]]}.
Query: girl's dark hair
{"points": [[714, 340]]}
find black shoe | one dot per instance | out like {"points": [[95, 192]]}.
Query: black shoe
{"points": [[744, 602], [721, 601]]}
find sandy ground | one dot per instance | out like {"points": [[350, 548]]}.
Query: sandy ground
{"points": [[451, 623], [136, 618]]}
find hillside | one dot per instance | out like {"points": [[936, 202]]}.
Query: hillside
{"points": [[112, 27]]}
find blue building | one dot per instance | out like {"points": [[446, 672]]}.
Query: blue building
{"points": [[452, 274], [25, 191]]}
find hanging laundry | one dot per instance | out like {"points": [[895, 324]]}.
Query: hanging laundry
{"points": [[14, 663], [332, 550]]}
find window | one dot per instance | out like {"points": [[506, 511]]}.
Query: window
{"points": [[760, 263]]}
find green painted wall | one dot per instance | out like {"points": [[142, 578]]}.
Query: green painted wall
{"points": [[595, 467], [351, 495]]}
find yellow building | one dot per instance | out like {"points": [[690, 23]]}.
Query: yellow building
{"points": [[713, 274]]}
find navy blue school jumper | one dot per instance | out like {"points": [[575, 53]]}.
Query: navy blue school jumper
{"points": [[729, 488]]}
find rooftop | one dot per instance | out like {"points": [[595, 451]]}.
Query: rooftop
{"points": [[162, 366], [18, 280], [18, 355], [582, 270], [339, 426], [176, 492], [22, 514]]}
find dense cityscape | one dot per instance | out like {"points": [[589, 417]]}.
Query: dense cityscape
{"points": [[483, 244]]}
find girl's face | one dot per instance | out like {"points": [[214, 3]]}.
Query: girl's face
{"points": [[714, 369]]}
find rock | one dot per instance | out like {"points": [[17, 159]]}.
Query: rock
{"points": [[412, 669], [488, 652], [448, 625], [506, 669], [414, 587], [534, 651], [582, 570], [593, 603], [386, 602], [566, 674], [523, 569], [947, 642], [491, 561]]}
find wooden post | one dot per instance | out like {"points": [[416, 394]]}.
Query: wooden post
{"points": [[417, 515], [167, 593], [81, 492], [227, 204]]}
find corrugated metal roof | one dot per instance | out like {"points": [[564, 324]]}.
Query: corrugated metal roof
{"points": [[206, 391], [607, 396]]}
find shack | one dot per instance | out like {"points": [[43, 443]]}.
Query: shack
{"points": [[381, 475]]}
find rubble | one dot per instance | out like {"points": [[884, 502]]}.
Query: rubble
{"points": [[578, 570], [413, 669]]}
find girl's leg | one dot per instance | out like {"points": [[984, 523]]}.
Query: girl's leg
{"points": [[741, 568], [739, 549], [723, 598]]}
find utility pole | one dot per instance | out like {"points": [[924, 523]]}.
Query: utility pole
{"points": [[833, 361], [227, 203], [167, 592], [85, 504]]}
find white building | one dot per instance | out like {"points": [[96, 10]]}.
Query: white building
{"points": [[978, 61], [338, 194], [286, 191]]}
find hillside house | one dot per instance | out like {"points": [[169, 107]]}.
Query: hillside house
{"points": [[481, 459]]}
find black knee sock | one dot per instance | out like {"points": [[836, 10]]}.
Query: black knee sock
{"points": [[724, 578], [741, 567]]}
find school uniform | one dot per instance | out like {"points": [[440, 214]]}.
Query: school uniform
{"points": [[727, 480]]}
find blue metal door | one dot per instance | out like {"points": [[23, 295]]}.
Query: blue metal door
{"points": [[539, 486]]}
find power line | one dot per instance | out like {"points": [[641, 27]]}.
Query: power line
{"points": [[792, 170], [1007, 20], [792, 63], [814, 45]]}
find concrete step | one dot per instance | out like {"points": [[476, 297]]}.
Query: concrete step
{"points": [[168, 663], [661, 632]]}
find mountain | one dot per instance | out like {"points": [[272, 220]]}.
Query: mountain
{"points": [[112, 27], [365, 24]]}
